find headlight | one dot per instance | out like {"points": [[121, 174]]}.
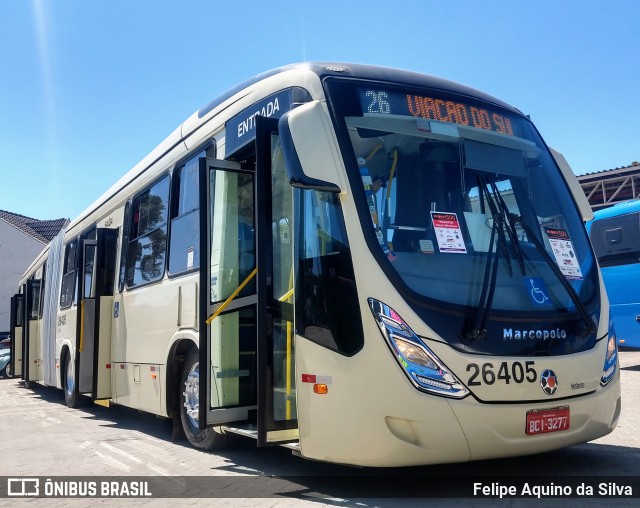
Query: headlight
{"points": [[421, 365], [611, 358], [413, 353]]}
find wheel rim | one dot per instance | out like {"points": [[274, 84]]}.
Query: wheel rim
{"points": [[69, 381], [191, 394]]}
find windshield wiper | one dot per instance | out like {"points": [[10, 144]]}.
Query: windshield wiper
{"points": [[505, 220], [555, 270], [499, 219], [510, 225], [491, 268], [488, 289]]}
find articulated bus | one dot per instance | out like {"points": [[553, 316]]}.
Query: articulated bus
{"points": [[615, 236], [366, 265]]}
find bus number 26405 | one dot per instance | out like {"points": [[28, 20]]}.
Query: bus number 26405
{"points": [[488, 373]]}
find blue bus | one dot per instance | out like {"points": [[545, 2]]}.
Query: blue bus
{"points": [[615, 236]]}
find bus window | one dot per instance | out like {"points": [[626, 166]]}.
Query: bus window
{"points": [[282, 207], [616, 240], [19, 312], [42, 286], [124, 247], [67, 292], [448, 203], [184, 248], [232, 233], [327, 310], [184, 252], [34, 302], [148, 243], [88, 286], [89, 259]]}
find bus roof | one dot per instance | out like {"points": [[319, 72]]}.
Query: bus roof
{"points": [[617, 209], [321, 69], [361, 71]]}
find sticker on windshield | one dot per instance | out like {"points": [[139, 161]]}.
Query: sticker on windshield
{"points": [[426, 247], [537, 290], [448, 232], [564, 253], [367, 183]]}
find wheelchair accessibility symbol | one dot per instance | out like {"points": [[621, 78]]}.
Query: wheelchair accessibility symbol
{"points": [[537, 290]]}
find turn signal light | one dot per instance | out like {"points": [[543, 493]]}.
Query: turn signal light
{"points": [[322, 389], [611, 358]]}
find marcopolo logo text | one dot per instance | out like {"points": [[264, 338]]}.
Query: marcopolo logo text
{"points": [[519, 334]]}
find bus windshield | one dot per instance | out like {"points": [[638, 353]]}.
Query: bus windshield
{"points": [[469, 211]]}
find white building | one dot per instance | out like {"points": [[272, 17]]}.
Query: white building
{"points": [[21, 240]]}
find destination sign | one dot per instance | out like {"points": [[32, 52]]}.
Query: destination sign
{"points": [[376, 101]]}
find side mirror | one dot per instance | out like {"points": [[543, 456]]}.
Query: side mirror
{"points": [[311, 152], [574, 186]]}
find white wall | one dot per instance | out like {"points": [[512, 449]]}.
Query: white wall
{"points": [[17, 251]]}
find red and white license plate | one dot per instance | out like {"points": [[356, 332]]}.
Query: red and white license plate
{"points": [[547, 420]]}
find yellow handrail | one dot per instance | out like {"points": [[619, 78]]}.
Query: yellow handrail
{"points": [[373, 152], [233, 295], [392, 173], [286, 296]]}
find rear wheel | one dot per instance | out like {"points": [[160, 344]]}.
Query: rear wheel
{"points": [[71, 397], [207, 439]]}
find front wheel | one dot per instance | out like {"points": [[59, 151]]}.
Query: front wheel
{"points": [[207, 439]]}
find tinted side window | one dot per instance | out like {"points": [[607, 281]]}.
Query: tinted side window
{"points": [[148, 243], [20, 311], [124, 248], [42, 288], [184, 252], [68, 289], [89, 260], [616, 240], [327, 310], [34, 308]]}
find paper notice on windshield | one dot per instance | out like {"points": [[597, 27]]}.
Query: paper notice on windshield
{"points": [[564, 253], [448, 232]]}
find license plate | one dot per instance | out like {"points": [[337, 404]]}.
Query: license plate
{"points": [[547, 420]]}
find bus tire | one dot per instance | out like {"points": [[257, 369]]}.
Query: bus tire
{"points": [[71, 397], [207, 439]]}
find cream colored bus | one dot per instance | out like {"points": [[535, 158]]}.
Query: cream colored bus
{"points": [[366, 265]]}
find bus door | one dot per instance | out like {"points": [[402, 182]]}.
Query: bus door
{"points": [[227, 314], [246, 314], [277, 415], [16, 330], [93, 342], [31, 350]]}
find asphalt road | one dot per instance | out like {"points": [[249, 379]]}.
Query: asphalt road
{"points": [[42, 438]]}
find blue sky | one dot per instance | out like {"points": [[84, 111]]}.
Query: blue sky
{"points": [[89, 87]]}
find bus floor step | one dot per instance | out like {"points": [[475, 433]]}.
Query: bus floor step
{"points": [[251, 430]]}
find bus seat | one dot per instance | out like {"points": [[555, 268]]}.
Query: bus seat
{"points": [[418, 185]]}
